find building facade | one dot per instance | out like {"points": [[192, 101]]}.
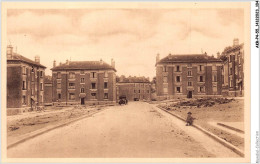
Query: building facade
{"points": [[48, 90], [188, 76], [84, 82], [25, 81], [233, 72], [134, 88]]}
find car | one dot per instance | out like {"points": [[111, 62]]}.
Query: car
{"points": [[136, 99], [122, 100]]}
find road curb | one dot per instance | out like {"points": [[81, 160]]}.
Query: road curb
{"points": [[36, 133], [231, 128], [211, 135]]}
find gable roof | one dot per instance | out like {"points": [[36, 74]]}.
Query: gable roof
{"points": [[84, 65], [18, 57], [188, 58]]}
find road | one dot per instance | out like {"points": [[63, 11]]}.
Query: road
{"points": [[136, 130]]}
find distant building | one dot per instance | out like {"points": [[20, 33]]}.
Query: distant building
{"points": [[48, 90], [233, 72], [134, 88], [84, 82], [188, 76], [25, 82]]}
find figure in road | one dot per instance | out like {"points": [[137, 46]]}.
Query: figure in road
{"points": [[189, 119]]}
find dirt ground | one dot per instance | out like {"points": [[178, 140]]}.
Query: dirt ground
{"points": [[136, 130], [232, 111], [18, 125]]}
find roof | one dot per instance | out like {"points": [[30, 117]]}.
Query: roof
{"points": [[18, 57], [133, 80], [233, 48], [84, 65], [188, 58]]}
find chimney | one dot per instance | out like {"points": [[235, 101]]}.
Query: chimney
{"points": [[112, 63], [218, 55], [9, 52], [157, 58], [67, 62], [54, 63], [37, 59], [236, 42], [101, 61]]}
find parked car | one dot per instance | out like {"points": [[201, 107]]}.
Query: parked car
{"points": [[136, 99], [122, 100]]}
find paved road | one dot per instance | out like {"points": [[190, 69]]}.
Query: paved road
{"points": [[134, 130]]}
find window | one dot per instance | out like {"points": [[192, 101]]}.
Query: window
{"points": [[139, 91], [189, 83], [93, 75], [165, 80], [178, 79], [41, 86], [41, 73], [148, 91], [93, 85], [239, 60], [24, 100], [177, 68], [200, 68], [214, 68], [164, 68], [214, 89], [24, 85], [106, 75], [82, 90], [59, 85], [82, 72], [201, 78], [189, 73], [72, 75], [214, 78], [189, 65], [201, 89], [93, 95], [178, 89], [105, 85], [72, 96], [231, 83], [105, 95], [82, 80], [58, 75], [134, 91], [23, 70], [59, 96], [71, 85]]}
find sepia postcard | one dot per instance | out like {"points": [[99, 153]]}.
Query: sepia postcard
{"points": [[125, 82]]}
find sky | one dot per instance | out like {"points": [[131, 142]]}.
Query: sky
{"points": [[132, 37]]}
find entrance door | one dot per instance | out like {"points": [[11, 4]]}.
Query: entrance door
{"points": [[82, 101], [189, 94]]}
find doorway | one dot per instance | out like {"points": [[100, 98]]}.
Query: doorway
{"points": [[82, 101], [189, 94]]}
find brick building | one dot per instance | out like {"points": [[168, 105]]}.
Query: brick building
{"points": [[48, 90], [84, 82], [134, 88], [233, 72], [25, 81], [188, 76]]}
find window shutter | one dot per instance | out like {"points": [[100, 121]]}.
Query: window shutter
{"points": [[198, 68], [198, 78], [202, 68], [198, 89], [180, 79], [181, 89], [180, 68]]}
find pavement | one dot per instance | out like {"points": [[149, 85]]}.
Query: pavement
{"points": [[135, 130]]}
